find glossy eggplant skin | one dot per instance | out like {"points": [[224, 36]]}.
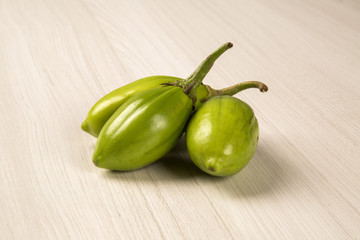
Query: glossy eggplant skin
{"points": [[144, 128], [222, 136], [107, 105]]}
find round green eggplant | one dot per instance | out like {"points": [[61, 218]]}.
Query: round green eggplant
{"points": [[143, 129], [222, 136], [107, 105]]}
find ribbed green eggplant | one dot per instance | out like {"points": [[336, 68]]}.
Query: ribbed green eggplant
{"points": [[222, 136], [143, 129], [149, 124]]}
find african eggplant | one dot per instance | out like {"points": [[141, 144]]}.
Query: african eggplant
{"points": [[143, 129], [222, 136], [149, 124]]}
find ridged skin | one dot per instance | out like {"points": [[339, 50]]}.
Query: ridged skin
{"points": [[107, 105], [143, 129], [222, 136]]}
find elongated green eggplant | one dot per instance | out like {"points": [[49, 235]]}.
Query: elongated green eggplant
{"points": [[149, 124], [143, 129], [222, 136]]}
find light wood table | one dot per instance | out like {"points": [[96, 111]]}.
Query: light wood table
{"points": [[57, 58]]}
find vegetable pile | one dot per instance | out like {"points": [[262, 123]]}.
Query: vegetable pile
{"points": [[139, 123]]}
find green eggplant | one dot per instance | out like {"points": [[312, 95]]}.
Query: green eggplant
{"points": [[149, 124], [143, 129], [222, 136]]}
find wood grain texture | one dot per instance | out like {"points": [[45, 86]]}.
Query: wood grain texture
{"points": [[58, 57]]}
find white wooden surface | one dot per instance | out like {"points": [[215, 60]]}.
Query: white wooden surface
{"points": [[58, 57]]}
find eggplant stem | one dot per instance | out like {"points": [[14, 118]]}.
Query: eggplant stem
{"points": [[194, 80], [230, 91]]}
